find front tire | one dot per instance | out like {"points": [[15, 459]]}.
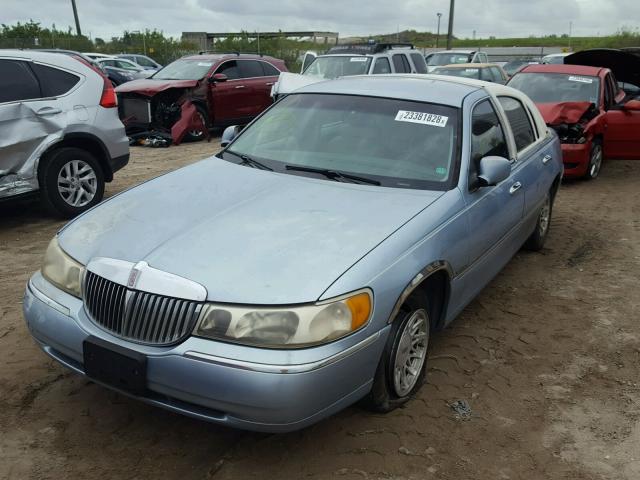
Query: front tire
{"points": [[536, 241], [197, 135], [595, 160], [71, 181], [402, 368]]}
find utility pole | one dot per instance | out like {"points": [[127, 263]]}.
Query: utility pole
{"points": [[438, 34], [570, 32], [75, 15], [450, 33]]}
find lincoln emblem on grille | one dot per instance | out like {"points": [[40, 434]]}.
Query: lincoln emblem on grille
{"points": [[133, 276]]}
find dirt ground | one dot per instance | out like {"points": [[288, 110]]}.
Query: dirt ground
{"points": [[547, 357]]}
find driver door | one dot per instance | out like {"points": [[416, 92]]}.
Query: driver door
{"points": [[622, 134]]}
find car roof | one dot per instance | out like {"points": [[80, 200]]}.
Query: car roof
{"points": [[61, 57], [470, 65], [456, 51], [220, 56], [422, 88], [563, 68]]}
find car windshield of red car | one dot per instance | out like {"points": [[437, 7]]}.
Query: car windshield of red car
{"points": [[184, 70], [557, 87]]}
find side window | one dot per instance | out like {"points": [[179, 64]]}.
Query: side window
{"points": [[519, 121], [54, 81], [269, 70], [487, 139], [407, 64], [419, 63], [250, 69], [145, 62], [17, 82], [230, 69], [485, 74], [382, 65], [497, 75], [399, 63]]}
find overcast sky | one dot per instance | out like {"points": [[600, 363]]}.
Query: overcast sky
{"points": [[106, 18]]}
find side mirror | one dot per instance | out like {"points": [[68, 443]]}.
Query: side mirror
{"points": [[218, 77], [632, 105], [493, 170], [229, 134]]}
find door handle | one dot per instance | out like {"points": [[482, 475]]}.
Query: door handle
{"points": [[515, 187], [240, 86], [546, 159], [270, 83], [48, 111]]}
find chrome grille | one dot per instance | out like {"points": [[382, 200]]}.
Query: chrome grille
{"points": [[138, 316]]}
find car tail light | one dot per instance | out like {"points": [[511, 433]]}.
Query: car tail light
{"points": [[108, 98]]}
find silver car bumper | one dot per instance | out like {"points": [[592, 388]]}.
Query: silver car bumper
{"points": [[249, 388]]}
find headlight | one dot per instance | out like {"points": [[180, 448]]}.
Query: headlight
{"points": [[293, 327], [62, 270]]}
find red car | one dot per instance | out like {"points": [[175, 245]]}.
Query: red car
{"points": [[593, 115], [198, 92]]}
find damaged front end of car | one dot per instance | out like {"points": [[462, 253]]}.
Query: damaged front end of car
{"points": [[175, 110]]}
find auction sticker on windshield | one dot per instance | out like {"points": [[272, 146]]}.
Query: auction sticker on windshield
{"points": [[421, 117], [581, 79]]}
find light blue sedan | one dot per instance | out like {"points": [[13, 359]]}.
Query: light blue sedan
{"points": [[305, 266]]}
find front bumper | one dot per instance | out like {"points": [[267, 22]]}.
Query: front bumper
{"points": [[243, 387], [575, 157]]}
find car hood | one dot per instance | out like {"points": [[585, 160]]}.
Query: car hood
{"points": [[624, 65], [288, 82], [565, 112], [247, 235], [150, 86]]}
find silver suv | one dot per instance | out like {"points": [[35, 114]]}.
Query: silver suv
{"points": [[355, 59], [60, 135]]}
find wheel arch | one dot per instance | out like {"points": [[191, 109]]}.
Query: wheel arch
{"points": [[88, 142], [433, 282]]}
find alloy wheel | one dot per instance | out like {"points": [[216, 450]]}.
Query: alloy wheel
{"points": [[545, 216], [77, 183], [411, 353], [595, 162]]}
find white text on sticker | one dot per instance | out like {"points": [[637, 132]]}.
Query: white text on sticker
{"points": [[581, 79], [423, 118]]}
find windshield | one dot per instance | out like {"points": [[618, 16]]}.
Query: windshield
{"points": [[398, 143], [459, 72], [184, 70], [557, 87], [338, 66], [448, 58]]}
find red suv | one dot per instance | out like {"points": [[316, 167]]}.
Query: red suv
{"points": [[197, 92]]}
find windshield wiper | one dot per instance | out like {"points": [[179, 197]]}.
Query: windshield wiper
{"points": [[333, 174], [247, 160]]}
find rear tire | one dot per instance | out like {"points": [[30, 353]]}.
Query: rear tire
{"points": [[198, 135], [536, 241], [595, 160], [71, 181], [402, 368]]}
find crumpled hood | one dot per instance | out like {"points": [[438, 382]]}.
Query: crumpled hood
{"points": [[149, 87], [565, 112], [288, 82], [248, 235], [624, 65]]}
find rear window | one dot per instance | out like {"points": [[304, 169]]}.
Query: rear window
{"points": [[54, 82], [269, 70], [17, 82]]}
